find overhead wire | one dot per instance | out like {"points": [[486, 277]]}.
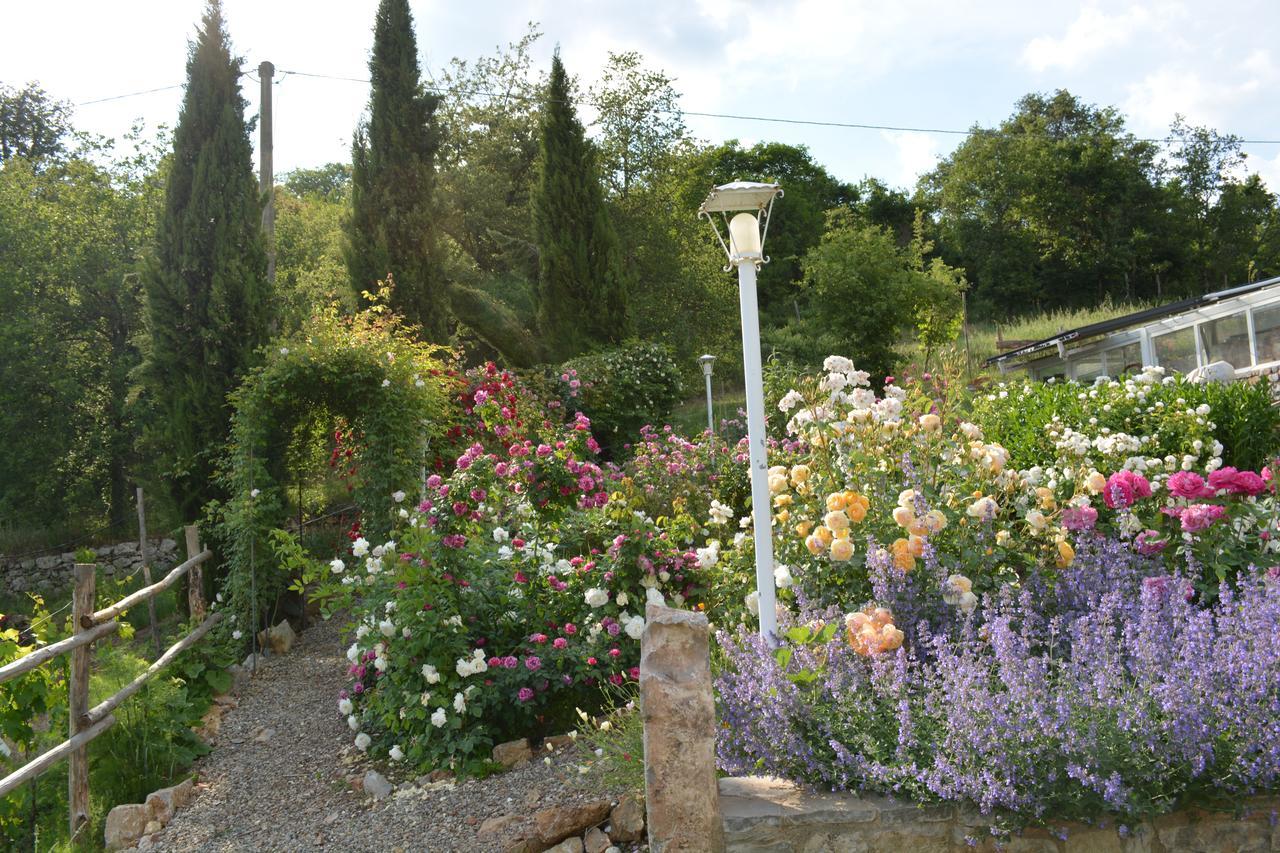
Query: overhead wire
{"points": [[850, 125]]}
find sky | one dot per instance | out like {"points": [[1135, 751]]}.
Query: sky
{"points": [[908, 64]]}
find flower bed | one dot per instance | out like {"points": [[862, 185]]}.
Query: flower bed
{"points": [[1081, 629], [1089, 633]]}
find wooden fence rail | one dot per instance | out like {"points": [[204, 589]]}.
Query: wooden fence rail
{"points": [[92, 625]]}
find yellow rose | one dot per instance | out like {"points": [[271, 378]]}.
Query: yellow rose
{"points": [[1046, 498], [835, 501], [782, 500], [903, 559], [836, 520], [907, 498], [1096, 482], [935, 520], [856, 506], [903, 516], [815, 545], [841, 550], [1002, 538], [783, 516], [930, 422], [918, 528], [1036, 519], [799, 474], [1066, 554], [803, 528], [824, 533], [915, 544], [777, 484]]}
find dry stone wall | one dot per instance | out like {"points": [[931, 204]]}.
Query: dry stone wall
{"points": [[51, 573], [772, 816]]}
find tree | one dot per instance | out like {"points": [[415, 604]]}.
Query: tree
{"points": [[208, 304], [581, 294], [393, 229], [32, 124], [810, 191], [71, 232], [639, 119], [1051, 208], [865, 292], [332, 182]]}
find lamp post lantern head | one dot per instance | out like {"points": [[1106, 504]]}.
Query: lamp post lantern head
{"points": [[751, 204], [707, 362]]}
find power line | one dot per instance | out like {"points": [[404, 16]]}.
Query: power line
{"points": [[1167, 140], [129, 95]]}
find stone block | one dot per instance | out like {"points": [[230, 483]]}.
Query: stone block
{"points": [[626, 821], [679, 716], [512, 753], [125, 825], [569, 845], [1091, 840], [557, 823], [595, 841]]}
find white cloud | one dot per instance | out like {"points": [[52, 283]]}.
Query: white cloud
{"points": [[1206, 93], [914, 154], [1092, 32], [1266, 168]]}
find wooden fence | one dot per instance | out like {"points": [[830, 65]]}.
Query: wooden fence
{"points": [[92, 625]]}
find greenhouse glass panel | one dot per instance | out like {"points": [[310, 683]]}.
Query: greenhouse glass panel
{"points": [[1266, 333], [1125, 360], [1176, 350], [1227, 339]]}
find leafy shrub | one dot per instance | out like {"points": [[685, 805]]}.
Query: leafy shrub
{"points": [[505, 599], [1168, 415], [621, 390]]}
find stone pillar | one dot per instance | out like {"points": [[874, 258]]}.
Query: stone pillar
{"points": [[678, 710]]}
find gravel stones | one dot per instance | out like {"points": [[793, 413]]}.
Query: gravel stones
{"points": [[291, 793]]}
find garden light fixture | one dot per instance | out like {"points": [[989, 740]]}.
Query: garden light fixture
{"points": [[707, 362], [751, 204]]}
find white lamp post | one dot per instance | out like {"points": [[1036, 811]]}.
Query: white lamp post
{"points": [[707, 362], [751, 203]]}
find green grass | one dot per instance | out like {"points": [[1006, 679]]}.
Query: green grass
{"points": [[1035, 327], [690, 417]]}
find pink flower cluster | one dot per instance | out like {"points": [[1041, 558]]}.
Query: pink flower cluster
{"points": [[1196, 517], [1125, 488]]}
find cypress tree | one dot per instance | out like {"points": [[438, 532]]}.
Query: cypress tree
{"points": [[207, 302], [392, 229], [581, 288]]}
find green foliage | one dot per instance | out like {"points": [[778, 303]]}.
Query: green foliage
{"points": [[71, 233], [620, 738], [582, 299], [393, 231], [864, 292], [208, 305], [331, 182], [621, 390], [799, 217], [1166, 415], [310, 270], [367, 371], [32, 124]]}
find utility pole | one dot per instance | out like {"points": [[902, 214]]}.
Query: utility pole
{"points": [[266, 179]]}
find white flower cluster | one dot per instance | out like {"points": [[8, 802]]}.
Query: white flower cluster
{"points": [[473, 665], [720, 513], [710, 555]]}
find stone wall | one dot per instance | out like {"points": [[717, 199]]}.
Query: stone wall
{"points": [[51, 573], [771, 816]]}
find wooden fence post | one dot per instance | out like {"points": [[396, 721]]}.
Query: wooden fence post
{"points": [[146, 571], [195, 580], [82, 606]]}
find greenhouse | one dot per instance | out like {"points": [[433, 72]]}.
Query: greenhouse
{"points": [[1233, 333]]}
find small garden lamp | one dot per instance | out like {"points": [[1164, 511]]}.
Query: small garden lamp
{"points": [[707, 362], [751, 203]]}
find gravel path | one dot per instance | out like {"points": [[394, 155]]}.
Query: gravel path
{"points": [[278, 778]]}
